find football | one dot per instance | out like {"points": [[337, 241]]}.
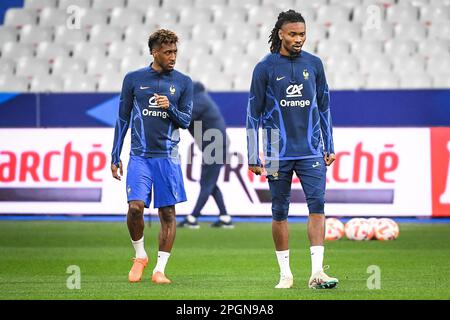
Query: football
{"points": [[373, 224], [334, 229], [386, 229], [358, 229]]}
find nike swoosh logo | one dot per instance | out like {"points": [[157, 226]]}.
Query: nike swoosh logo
{"points": [[278, 79], [143, 88], [316, 165]]}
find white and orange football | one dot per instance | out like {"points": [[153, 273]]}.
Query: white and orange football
{"points": [[334, 229], [358, 229], [386, 229]]}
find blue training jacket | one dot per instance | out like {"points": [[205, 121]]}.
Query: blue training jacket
{"points": [[154, 131], [289, 96]]}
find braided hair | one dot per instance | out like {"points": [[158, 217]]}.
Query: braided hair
{"points": [[283, 17]]}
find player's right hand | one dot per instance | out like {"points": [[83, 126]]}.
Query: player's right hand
{"points": [[256, 169], [114, 170]]}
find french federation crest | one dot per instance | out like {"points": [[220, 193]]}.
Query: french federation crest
{"points": [[172, 89], [306, 74]]}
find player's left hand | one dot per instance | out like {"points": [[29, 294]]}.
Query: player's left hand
{"points": [[162, 101], [329, 159]]}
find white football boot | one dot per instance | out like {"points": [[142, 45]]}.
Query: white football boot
{"points": [[286, 282], [320, 280]]}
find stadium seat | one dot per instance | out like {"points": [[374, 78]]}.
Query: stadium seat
{"points": [[418, 3], [17, 50], [258, 49], [413, 31], [382, 81], [309, 14], [441, 80], [63, 4], [50, 51], [50, 17], [142, 5], [374, 64], [156, 16], [332, 14], [416, 80], [243, 82], [14, 84], [241, 33], [183, 31], [413, 64], [46, 84], [345, 31], [93, 17], [189, 15], [65, 65], [306, 3], [215, 32], [198, 65], [193, 49], [8, 34], [440, 30], [18, 17], [110, 82], [110, 4], [432, 47], [346, 3], [229, 15], [99, 66], [70, 36], [346, 81], [438, 64], [263, 15], [431, 14], [327, 48], [213, 4], [137, 33], [40, 4], [365, 47], [368, 15], [384, 33], [34, 34], [29, 67], [7, 66], [118, 50], [122, 17], [315, 32], [342, 64], [224, 47], [246, 65], [214, 81], [246, 3], [402, 13], [177, 4], [384, 3], [105, 34], [130, 63], [79, 83], [85, 50], [401, 47]]}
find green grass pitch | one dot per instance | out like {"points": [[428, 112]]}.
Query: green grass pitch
{"points": [[215, 264]]}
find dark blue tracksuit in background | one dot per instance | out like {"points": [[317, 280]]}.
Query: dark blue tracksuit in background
{"points": [[206, 111]]}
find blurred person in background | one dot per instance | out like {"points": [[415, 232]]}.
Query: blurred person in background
{"points": [[206, 116]]}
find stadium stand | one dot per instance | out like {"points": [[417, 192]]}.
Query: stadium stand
{"points": [[94, 43]]}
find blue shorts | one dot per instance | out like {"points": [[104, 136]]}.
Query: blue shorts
{"points": [[164, 174], [312, 173]]}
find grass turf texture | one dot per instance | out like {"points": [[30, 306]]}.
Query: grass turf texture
{"points": [[215, 264]]}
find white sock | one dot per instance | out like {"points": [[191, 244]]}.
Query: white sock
{"points": [[316, 258], [225, 218], [139, 248], [163, 257], [191, 219], [283, 262]]}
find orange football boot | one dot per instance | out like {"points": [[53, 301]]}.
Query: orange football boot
{"points": [[160, 278], [137, 269]]}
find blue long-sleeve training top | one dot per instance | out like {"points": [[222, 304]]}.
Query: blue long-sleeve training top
{"points": [[154, 130], [289, 96]]}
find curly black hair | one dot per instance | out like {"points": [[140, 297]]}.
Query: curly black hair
{"points": [[161, 36], [283, 17]]}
